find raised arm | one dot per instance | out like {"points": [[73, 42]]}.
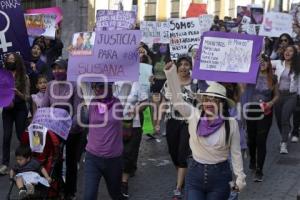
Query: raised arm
{"points": [[185, 109]]}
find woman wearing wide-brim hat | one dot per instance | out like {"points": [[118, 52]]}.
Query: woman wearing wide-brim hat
{"points": [[213, 136]]}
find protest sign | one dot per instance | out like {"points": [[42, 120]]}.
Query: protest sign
{"points": [[241, 12], [108, 20], [184, 33], [55, 119], [155, 32], [145, 73], [41, 25], [37, 137], [276, 23], [83, 43], [295, 12], [52, 10], [13, 33], [228, 57], [196, 9], [7, 85], [115, 57], [257, 15]]}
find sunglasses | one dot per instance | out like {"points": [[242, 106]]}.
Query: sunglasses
{"points": [[284, 40], [210, 99]]}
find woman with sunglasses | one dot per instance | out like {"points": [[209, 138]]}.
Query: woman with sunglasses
{"points": [[262, 96], [287, 71], [283, 41], [213, 135]]}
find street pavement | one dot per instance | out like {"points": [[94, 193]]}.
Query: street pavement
{"points": [[155, 178]]}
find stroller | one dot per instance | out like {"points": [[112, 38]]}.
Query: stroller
{"points": [[52, 160]]}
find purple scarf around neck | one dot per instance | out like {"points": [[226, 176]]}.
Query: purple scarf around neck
{"points": [[206, 127]]}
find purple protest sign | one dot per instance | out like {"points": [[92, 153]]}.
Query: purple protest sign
{"points": [[7, 85], [12, 26], [110, 20], [228, 57], [115, 58], [55, 119]]}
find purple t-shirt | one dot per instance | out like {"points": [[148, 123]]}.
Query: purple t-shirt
{"points": [[106, 141]]}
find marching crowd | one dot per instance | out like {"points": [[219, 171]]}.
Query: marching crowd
{"points": [[206, 141]]}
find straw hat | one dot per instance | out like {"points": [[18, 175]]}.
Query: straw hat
{"points": [[217, 90]]}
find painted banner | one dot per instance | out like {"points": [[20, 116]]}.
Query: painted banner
{"points": [[196, 9], [13, 32], [41, 25], [37, 137], [155, 32], [108, 20], [55, 119], [83, 43], [7, 85], [185, 34], [52, 10], [115, 58], [276, 23], [228, 57]]}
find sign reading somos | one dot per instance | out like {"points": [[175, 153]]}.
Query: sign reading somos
{"points": [[115, 56], [228, 57]]}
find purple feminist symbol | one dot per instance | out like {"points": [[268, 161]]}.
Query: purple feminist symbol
{"points": [[102, 108]]}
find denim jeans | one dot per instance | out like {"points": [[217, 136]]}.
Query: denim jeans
{"points": [[109, 168], [208, 182]]}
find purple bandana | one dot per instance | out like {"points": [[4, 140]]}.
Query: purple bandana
{"points": [[206, 128]]}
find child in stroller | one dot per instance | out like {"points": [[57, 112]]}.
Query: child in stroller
{"points": [[52, 160], [27, 170]]}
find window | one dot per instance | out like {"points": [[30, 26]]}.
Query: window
{"points": [[150, 10], [175, 8], [27, 4]]}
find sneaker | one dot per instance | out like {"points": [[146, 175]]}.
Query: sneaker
{"points": [[177, 194], [258, 177], [22, 194], [124, 190], [30, 189], [283, 148], [3, 170], [295, 139]]}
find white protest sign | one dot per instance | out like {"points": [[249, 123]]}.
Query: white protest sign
{"points": [[41, 25], [184, 33], [222, 54], [276, 23], [206, 21], [37, 137], [155, 32], [246, 20]]}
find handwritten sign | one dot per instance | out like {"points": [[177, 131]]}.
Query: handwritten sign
{"points": [[206, 21], [155, 32], [184, 33], [109, 20], [55, 119], [83, 43], [41, 25], [276, 23], [37, 137], [7, 85], [115, 56], [52, 10], [13, 33], [228, 57]]}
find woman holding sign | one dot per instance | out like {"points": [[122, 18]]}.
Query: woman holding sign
{"points": [[17, 111], [213, 135], [287, 72]]}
